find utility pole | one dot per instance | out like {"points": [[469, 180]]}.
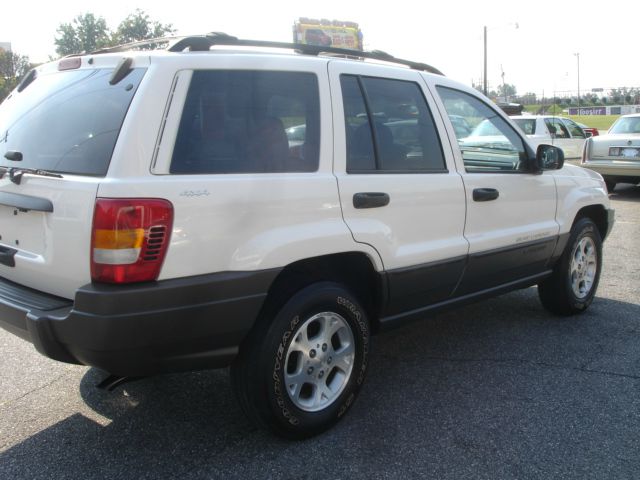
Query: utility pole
{"points": [[484, 89], [578, 58]]}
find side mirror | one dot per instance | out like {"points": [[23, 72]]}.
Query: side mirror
{"points": [[549, 157]]}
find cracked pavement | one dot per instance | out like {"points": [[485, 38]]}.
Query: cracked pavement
{"points": [[497, 390]]}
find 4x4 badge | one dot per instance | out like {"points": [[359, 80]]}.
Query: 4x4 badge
{"points": [[195, 193]]}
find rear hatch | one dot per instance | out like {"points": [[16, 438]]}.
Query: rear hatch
{"points": [[58, 130]]}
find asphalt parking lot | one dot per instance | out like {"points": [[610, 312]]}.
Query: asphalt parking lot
{"points": [[497, 390]]}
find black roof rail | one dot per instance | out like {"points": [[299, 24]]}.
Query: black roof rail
{"points": [[152, 42], [202, 43]]}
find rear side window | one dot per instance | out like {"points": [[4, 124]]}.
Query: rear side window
{"points": [[389, 127], [67, 122], [249, 122], [527, 125]]}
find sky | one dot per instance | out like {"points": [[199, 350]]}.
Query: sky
{"points": [[534, 43]]}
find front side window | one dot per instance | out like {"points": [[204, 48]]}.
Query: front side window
{"points": [[249, 122], [389, 127], [492, 145], [556, 128], [574, 129]]}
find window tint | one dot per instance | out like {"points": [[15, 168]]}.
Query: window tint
{"points": [[67, 122], [249, 122], [389, 127], [492, 145], [574, 129]]}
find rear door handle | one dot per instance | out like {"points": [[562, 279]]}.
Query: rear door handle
{"points": [[485, 194], [370, 199]]}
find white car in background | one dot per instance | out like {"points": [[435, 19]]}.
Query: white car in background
{"points": [[616, 154], [559, 131]]}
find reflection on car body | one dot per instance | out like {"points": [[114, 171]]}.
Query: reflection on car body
{"points": [[559, 131], [487, 148]]}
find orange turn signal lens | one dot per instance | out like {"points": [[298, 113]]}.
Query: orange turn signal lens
{"points": [[119, 239]]}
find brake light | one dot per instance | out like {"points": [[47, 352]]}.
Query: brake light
{"points": [[129, 239], [70, 63], [585, 151]]}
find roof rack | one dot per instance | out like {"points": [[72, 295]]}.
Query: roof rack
{"points": [[201, 43], [152, 42]]}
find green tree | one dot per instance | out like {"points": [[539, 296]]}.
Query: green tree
{"points": [[12, 68], [528, 98], [85, 33], [506, 90], [138, 26]]}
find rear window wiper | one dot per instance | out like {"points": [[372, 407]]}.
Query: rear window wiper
{"points": [[15, 173]]}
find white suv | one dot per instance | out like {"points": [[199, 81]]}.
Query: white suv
{"points": [[155, 216]]}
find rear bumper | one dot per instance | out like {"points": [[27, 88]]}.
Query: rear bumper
{"points": [[615, 168], [132, 330]]}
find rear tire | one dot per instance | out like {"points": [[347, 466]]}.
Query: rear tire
{"points": [[573, 284], [301, 368]]}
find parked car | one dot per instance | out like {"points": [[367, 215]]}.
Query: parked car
{"points": [[559, 131], [155, 217], [589, 131], [511, 108], [616, 154]]}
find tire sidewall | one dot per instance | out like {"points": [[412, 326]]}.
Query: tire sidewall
{"points": [[323, 297], [584, 228]]}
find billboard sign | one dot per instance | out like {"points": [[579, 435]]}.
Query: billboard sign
{"points": [[588, 111], [328, 33]]}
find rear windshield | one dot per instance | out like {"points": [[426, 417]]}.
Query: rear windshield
{"points": [[66, 122], [527, 125], [626, 125]]}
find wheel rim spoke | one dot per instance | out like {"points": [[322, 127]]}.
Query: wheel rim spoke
{"points": [[323, 395], [343, 358], [295, 383]]}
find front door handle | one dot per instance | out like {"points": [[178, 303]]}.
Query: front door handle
{"points": [[485, 194], [370, 199], [7, 256]]}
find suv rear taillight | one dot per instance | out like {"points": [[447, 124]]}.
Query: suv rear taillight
{"points": [[129, 239]]}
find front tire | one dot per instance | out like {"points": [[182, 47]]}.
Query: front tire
{"points": [[301, 368], [573, 284]]}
